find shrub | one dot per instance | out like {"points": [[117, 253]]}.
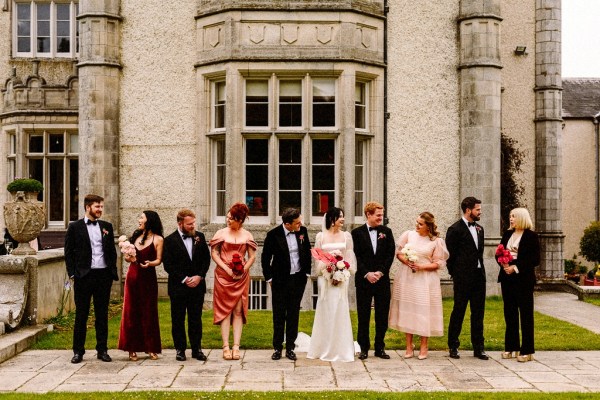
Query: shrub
{"points": [[590, 243], [25, 185]]}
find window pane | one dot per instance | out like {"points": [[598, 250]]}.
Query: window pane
{"points": [[360, 106], [323, 102], [220, 183], [290, 151], [290, 174], [257, 103], [12, 139], [323, 176], [62, 28], [219, 104], [323, 90], [290, 103], [43, 29], [63, 12], [56, 194], [24, 11], [73, 188], [36, 169], [43, 12], [57, 143], [257, 176], [289, 199], [323, 151], [74, 144], [323, 114], [24, 44], [63, 45], [290, 177], [322, 201], [36, 144], [24, 28], [43, 45]]}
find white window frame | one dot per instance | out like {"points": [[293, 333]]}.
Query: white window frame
{"points": [[53, 53], [214, 143], [364, 141], [365, 106], [303, 103], [336, 104], [336, 167], [270, 103], [214, 105], [258, 292], [271, 196]]}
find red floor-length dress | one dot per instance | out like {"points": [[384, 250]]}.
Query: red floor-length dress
{"points": [[139, 325]]}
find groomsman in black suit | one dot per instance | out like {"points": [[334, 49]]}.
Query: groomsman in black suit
{"points": [[464, 240], [286, 266], [186, 259], [91, 260], [375, 248]]}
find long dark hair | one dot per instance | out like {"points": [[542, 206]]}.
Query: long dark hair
{"points": [[332, 215], [153, 224]]}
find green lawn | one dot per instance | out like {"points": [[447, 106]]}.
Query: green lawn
{"points": [[551, 334], [593, 301]]}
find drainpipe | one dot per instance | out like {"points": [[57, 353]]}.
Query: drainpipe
{"points": [[386, 114], [597, 139]]}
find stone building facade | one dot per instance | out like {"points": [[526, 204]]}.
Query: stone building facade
{"points": [[278, 103]]}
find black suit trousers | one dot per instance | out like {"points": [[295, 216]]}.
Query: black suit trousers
{"points": [[94, 285], [286, 299], [518, 302], [192, 304], [381, 293], [464, 293]]}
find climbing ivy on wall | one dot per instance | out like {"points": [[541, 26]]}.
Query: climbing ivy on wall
{"points": [[511, 190]]}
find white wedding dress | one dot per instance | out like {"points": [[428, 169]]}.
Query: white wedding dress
{"points": [[332, 338]]}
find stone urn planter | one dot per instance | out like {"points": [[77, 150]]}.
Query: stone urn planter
{"points": [[24, 215]]}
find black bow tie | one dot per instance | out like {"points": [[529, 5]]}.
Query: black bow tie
{"points": [[184, 236], [89, 221], [372, 229], [472, 224]]}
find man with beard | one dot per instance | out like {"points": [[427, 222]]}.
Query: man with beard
{"points": [[186, 259], [91, 260], [464, 240]]}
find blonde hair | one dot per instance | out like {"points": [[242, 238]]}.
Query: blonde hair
{"points": [[371, 207], [522, 218], [185, 212], [429, 220]]}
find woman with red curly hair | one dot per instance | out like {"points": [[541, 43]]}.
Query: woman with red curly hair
{"points": [[233, 249]]}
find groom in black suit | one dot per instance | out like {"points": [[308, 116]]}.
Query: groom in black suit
{"points": [[186, 259], [465, 242], [286, 266], [91, 260], [375, 248]]}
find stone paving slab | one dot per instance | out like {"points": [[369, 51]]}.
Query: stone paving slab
{"points": [[40, 371]]}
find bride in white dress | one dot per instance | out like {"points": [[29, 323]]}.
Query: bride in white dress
{"points": [[332, 338]]}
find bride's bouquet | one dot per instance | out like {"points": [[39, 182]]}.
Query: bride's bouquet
{"points": [[410, 254], [126, 247], [336, 269]]}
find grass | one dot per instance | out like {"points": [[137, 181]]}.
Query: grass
{"points": [[303, 395], [595, 301], [551, 334]]}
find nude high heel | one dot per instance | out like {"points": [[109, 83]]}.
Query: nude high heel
{"points": [[132, 356], [226, 352], [509, 354], [412, 353], [525, 358]]}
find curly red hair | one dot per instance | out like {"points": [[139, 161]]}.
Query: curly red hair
{"points": [[239, 212]]}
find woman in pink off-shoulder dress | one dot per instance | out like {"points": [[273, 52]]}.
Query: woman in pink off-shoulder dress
{"points": [[416, 305], [230, 300]]}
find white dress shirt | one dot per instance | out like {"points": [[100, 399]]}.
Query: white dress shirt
{"points": [[95, 234], [473, 230], [292, 243]]}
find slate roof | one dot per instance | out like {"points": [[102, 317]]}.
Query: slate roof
{"points": [[581, 97]]}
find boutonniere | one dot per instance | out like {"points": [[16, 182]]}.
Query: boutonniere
{"points": [[196, 240], [301, 238], [478, 228], [381, 236], [104, 232]]}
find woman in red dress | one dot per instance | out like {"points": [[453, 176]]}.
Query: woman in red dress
{"points": [[139, 324], [233, 249]]}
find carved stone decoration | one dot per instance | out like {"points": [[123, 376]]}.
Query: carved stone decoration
{"points": [[324, 34], [257, 33], [213, 35], [366, 36], [289, 33], [25, 218], [14, 286], [5, 5]]}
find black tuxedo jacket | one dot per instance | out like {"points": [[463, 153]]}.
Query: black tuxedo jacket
{"points": [[275, 257], [366, 260], [465, 257], [178, 264], [528, 257], [78, 249]]}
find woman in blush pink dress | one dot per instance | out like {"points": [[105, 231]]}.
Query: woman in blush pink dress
{"points": [[232, 247], [416, 306]]}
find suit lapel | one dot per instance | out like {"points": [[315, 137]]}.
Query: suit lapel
{"points": [[369, 244], [85, 233], [181, 245]]}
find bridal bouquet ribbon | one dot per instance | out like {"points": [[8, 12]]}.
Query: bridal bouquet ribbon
{"points": [[503, 255], [336, 269], [126, 247], [410, 254], [236, 264]]}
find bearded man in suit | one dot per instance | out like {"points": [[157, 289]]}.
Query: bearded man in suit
{"points": [[186, 259], [465, 243], [286, 266], [91, 260], [375, 249]]}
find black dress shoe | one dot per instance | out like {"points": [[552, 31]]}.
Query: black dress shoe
{"points": [[382, 354], [180, 356], [199, 355], [291, 355], [363, 355], [77, 358], [454, 353], [104, 356], [481, 355], [276, 355]]}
